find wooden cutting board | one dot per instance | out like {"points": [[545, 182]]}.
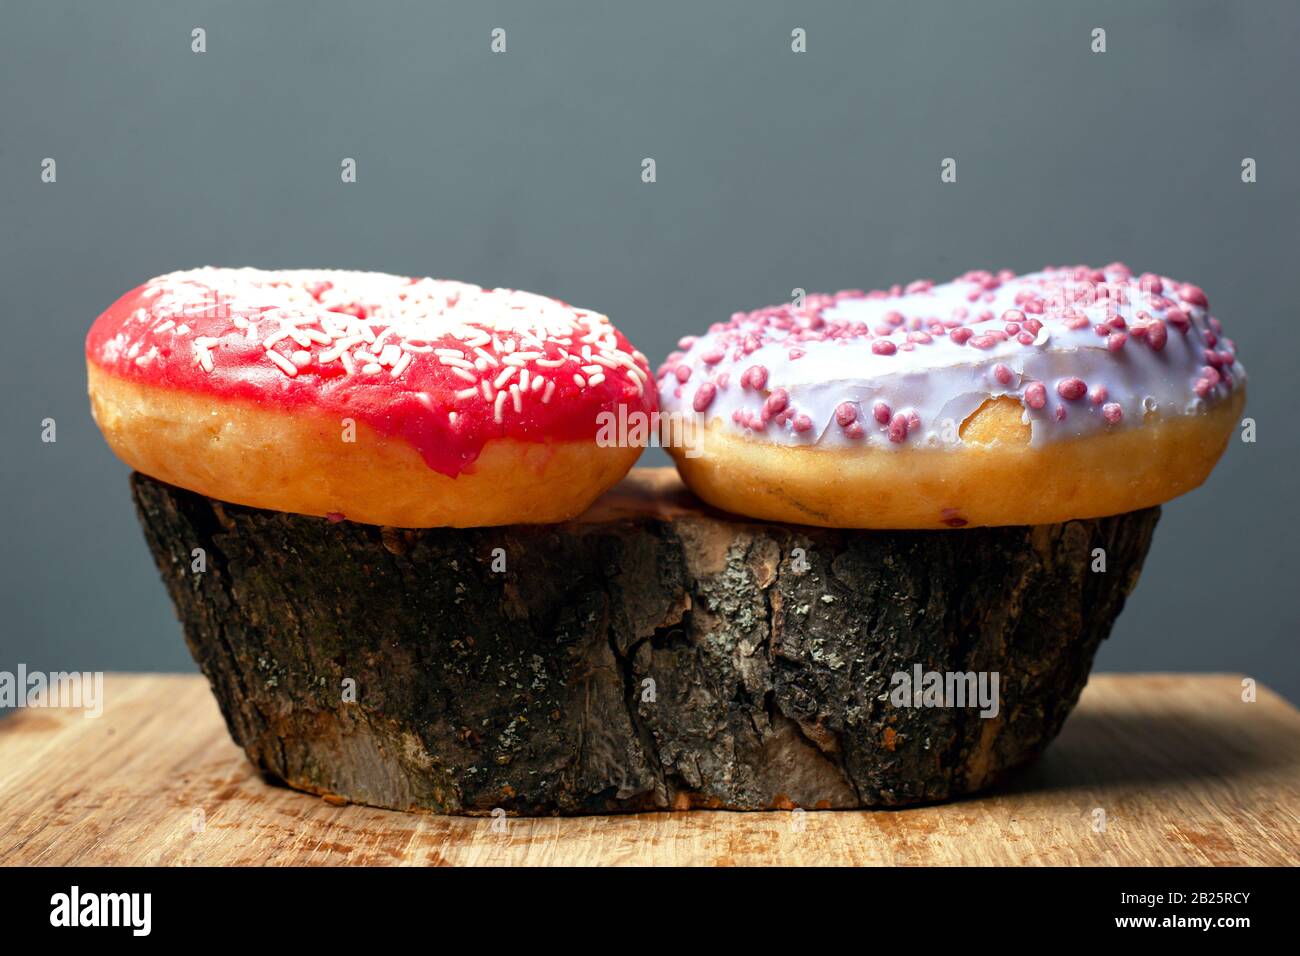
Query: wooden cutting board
{"points": [[1184, 771]]}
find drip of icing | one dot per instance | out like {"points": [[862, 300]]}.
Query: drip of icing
{"points": [[1082, 349], [445, 366]]}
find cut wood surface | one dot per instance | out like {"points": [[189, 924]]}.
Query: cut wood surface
{"points": [[653, 654], [1184, 770]]}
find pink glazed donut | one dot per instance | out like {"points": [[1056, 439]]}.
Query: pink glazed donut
{"points": [[994, 399], [360, 395]]}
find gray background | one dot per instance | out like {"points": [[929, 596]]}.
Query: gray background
{"points": [[775, 170]]}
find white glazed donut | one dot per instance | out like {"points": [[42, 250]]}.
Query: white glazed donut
{"points": [[994, 399]]}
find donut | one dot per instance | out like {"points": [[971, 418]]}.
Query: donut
{"points": [[994, 399], [364, 396]]}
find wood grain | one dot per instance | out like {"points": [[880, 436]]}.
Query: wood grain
{"points": [[1186, 773]]}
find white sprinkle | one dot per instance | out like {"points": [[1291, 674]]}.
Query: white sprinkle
{"points": [[486, 388], [550, 363], [285, 365], [449, 353], [505, 376], [402, 362], [465, 393], [408, 347], [515, 398], [372, 368], [579, 381], [272, 340], [596, 379], [182, 329], [538, 382], [593, 369], [546, 395], [390, 354], [346, 359], [485, 356], [456, 362], [467, 376], [496, 408], [451, 418], [523, 380], [361, 355], [165, 326], [340, 348], [301, 358]]}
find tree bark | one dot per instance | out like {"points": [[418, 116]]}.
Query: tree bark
{"points": [[653, 654]]}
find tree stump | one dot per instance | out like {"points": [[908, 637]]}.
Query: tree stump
{"points": [[653, 654]]}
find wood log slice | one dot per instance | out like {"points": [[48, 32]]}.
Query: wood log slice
{"points": [[652, 654]]}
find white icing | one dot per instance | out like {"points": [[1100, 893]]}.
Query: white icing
{"points": [[943, 382]]}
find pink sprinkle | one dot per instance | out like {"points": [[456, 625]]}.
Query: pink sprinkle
{"points": [[854, 431], [1013, 315], [983, 341], [1203, 387], [1157, 335], [713, 357], [755, 377], [846, 413], [1210, 374], [880, 411], [883, 347], [1024, 338], [704, 396], [898, 428], [913, 422], [1098, 394], [1112, 412], [1150, 282], [1059, 413], [802, 423], [1003, 374], [683, 372], [1193, 294], [777, 401], [960, 335], [335, 516], [893, 318], [1036, 395], [1115, 341], [1071, 389], [1178, 319], [921, 338], [797, 354]]}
